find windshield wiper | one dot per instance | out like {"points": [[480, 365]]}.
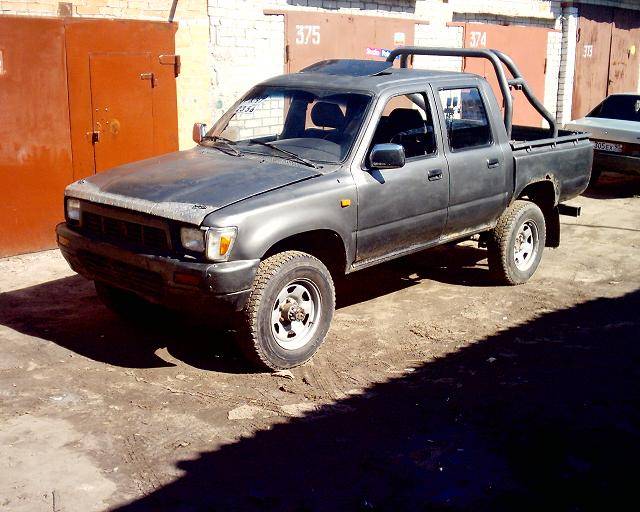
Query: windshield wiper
{"points": [[227, 144], [290, 154]]}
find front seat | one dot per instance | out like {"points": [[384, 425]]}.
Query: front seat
{"points": [[407, 128], [327, 115]]}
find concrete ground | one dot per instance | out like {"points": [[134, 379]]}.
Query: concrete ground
{"points": [[435, 390]]}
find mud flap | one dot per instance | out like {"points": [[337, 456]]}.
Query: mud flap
{"points": [[552, 220]]}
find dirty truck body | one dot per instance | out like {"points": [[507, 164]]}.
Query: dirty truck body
{"points": [[362, 163]]}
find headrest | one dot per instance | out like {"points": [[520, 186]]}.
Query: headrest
{"points": [[408, 117], [327, 114]]}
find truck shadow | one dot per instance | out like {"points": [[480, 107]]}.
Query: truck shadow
{"points": [[541, 416], [67, 312], [612, 186]]}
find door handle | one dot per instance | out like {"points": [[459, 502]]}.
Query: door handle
{"points": [[492, 163], [435, 174]]}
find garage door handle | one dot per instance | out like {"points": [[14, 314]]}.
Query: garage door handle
{"points": [[435, 174], [492, 163]]}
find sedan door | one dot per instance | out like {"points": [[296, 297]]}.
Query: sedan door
{"points": [[404, 208]]}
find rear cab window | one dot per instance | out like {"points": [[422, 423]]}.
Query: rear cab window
{"points": [[466, 118]]}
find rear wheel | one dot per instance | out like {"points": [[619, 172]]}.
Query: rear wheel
{"points": [[289, 311], [516, 243]]}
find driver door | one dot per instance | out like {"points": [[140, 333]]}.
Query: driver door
{"points": [[404, 208]]}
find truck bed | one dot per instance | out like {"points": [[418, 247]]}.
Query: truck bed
{"points": [[565, 160]]}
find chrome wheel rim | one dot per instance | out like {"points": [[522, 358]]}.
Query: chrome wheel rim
{"points": [[525, 246], [295, 314]]}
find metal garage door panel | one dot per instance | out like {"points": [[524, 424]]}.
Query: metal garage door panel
{"points": [[625, 48], [311, 37], [592, 58], [530, 58], [35, 148], [122, 106], [86, 37]]}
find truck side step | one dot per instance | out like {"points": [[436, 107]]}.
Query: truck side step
{"points": [[569, 211]]}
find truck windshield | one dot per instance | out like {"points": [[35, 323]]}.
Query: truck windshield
{"points": [[314, 124], [625, 107]]}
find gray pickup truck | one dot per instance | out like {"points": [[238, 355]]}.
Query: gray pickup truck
{"points": [[317, 174]]}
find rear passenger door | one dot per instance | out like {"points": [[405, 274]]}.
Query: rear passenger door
{"points": [[479, 185], [405, 207]]}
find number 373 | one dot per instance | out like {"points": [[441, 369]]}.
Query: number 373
{"points": [[307, 34]]}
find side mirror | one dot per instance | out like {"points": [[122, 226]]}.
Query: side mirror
{"points": [[199, 131], [387, 156]]}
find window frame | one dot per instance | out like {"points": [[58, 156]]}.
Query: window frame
{"points": [[486, 112], [386, 100]]}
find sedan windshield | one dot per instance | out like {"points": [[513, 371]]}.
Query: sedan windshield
{"points": [[625, 107], [297, 124]]}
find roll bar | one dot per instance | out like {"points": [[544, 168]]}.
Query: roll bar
{"points": [[497, 59]]}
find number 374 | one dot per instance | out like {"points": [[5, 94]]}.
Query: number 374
{"points": [[307, 34]]}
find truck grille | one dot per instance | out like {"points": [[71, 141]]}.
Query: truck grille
{"points": [[122, 232], [117, 272]]}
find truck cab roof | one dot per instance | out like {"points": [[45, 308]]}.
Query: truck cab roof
{"points": [[372, 77]]}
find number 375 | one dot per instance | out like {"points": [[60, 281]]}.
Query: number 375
{"points": [[307, 34]]}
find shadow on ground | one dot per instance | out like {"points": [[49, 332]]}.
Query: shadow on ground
{"points": [[67, 312], [612, 186], [542, 416]]}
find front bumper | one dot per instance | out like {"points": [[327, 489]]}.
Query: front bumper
{"points": [[221, 286], [613, 162]]}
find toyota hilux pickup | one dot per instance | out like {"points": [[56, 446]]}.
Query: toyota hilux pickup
{"points": [[321, 173]]}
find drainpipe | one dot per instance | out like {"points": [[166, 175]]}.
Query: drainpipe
{"points": [[172, 12], [569, 20]]}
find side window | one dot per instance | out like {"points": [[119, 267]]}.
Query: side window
{"points": [[466, 118], [406, 120]]}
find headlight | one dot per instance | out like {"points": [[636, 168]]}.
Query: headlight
{"points": [[219, 242], [192, 239], [73, 209]]}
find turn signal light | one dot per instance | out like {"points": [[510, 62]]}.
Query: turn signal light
{"points": [[187, 279]]}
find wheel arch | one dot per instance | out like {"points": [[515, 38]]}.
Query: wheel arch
{"points": [[545, 194], [325, 244]]}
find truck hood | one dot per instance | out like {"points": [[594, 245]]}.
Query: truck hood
{"points": [[608, 129], [188, 185]]}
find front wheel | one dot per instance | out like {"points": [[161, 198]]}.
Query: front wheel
{"points": [[516, 243], [289, 311]]}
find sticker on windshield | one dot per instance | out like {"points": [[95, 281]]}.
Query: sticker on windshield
{"points": [[249, 106]]}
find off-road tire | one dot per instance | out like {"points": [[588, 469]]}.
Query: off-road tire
{"points": [[125, 304], [255, 335], [502, 239]]}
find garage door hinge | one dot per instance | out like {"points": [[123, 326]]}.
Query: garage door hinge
{"points": [[171, 60]]}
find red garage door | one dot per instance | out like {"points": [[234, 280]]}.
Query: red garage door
{"points": [[311, 37], [527, 46], [76, 96], [35, 149], [607, 59]]}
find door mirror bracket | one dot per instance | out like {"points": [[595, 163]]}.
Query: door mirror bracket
{"points": [[199, 131]]}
